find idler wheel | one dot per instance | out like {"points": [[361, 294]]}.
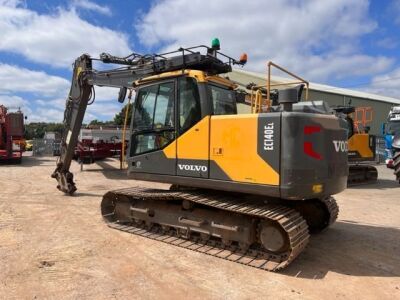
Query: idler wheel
{"points": [[273, 237]]}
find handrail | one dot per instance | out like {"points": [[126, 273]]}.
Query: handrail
{"points": [[301, 80], [256, 97]]}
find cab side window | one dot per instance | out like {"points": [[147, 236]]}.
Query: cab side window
{"points": [[146, 101], [189, 103], [224, 100], [153, 122]]}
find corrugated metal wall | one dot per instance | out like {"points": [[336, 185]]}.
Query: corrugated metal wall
{"points": [[380, 109]]}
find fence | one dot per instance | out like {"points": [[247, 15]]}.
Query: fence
{"points": [[44, 147], [380, 149]]}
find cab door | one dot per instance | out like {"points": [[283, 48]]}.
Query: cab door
{"points": [[153, 130], [193, 131]]}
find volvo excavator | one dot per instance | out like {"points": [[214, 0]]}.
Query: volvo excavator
{"points": [[361, 144], [249, 188]]}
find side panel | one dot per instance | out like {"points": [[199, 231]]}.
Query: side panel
{"points": [[362, 147], [314, 155], [237, 148], [154, 163], [193, 150]]}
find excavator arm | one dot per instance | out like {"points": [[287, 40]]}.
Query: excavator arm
{"points": [[78, 99], [81, 95], [134, 67]]}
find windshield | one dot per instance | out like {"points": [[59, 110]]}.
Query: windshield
{"points": [[393, 127]]}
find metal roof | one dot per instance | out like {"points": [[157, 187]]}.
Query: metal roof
{"points": [[319, 87]]}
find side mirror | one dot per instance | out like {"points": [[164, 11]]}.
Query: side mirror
{"points": [[122, 94]]}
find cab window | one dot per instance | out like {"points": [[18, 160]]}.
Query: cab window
{"points": [[153, 122], [189, 103], [224, 100]]}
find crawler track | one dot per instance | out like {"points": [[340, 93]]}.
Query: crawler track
{"points": [[318, 213], [396, 165], [362, 174], [332, 208], [289, 220]]}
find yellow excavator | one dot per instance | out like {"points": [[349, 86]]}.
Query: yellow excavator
{"points": [[361, 144], [248, 188]]}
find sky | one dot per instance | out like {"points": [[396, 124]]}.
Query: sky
{"points": [[346, 43]]}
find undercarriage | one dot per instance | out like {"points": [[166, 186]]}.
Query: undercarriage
{"points": [[262, 234], [361, 173]]}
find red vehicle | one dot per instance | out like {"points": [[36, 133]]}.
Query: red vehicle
{"points": [[11, 135], [88, 150]]}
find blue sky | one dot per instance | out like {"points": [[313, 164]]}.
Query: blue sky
{"points": [[345, 43]]}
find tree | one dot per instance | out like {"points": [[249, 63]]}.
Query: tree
{"points": [[120, 117], [37, 130], [99, 123]]}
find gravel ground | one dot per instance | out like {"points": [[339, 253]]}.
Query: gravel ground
{"points": [[55, 246]]}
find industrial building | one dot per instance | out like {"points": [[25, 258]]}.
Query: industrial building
{"points": [[333, 95]]}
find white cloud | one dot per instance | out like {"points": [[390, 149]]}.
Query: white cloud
{"points": [[105, 110], [89, 5], [394, 9], [106, 93], [387, 84], [48, 93], [12, 102], [16, 79], [100, 110], [55, 39], [42, 114], [387, 43], [11, 3], [317, 39]]}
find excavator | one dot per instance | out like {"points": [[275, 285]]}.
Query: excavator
{"points": [[361, 144], [248, 188]]}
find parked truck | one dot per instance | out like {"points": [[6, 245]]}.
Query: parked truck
{"points": [[11, 135], [391, 133]]}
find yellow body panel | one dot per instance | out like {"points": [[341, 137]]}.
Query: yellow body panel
{"points": [[360, 142], [198, 75], [234, 149], [222, 81], [170, 150], [193, 144]]}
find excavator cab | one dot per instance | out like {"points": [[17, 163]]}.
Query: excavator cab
{"points": [[170, 128]]}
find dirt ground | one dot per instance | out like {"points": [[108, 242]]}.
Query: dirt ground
{"points": [[55, 246]]}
